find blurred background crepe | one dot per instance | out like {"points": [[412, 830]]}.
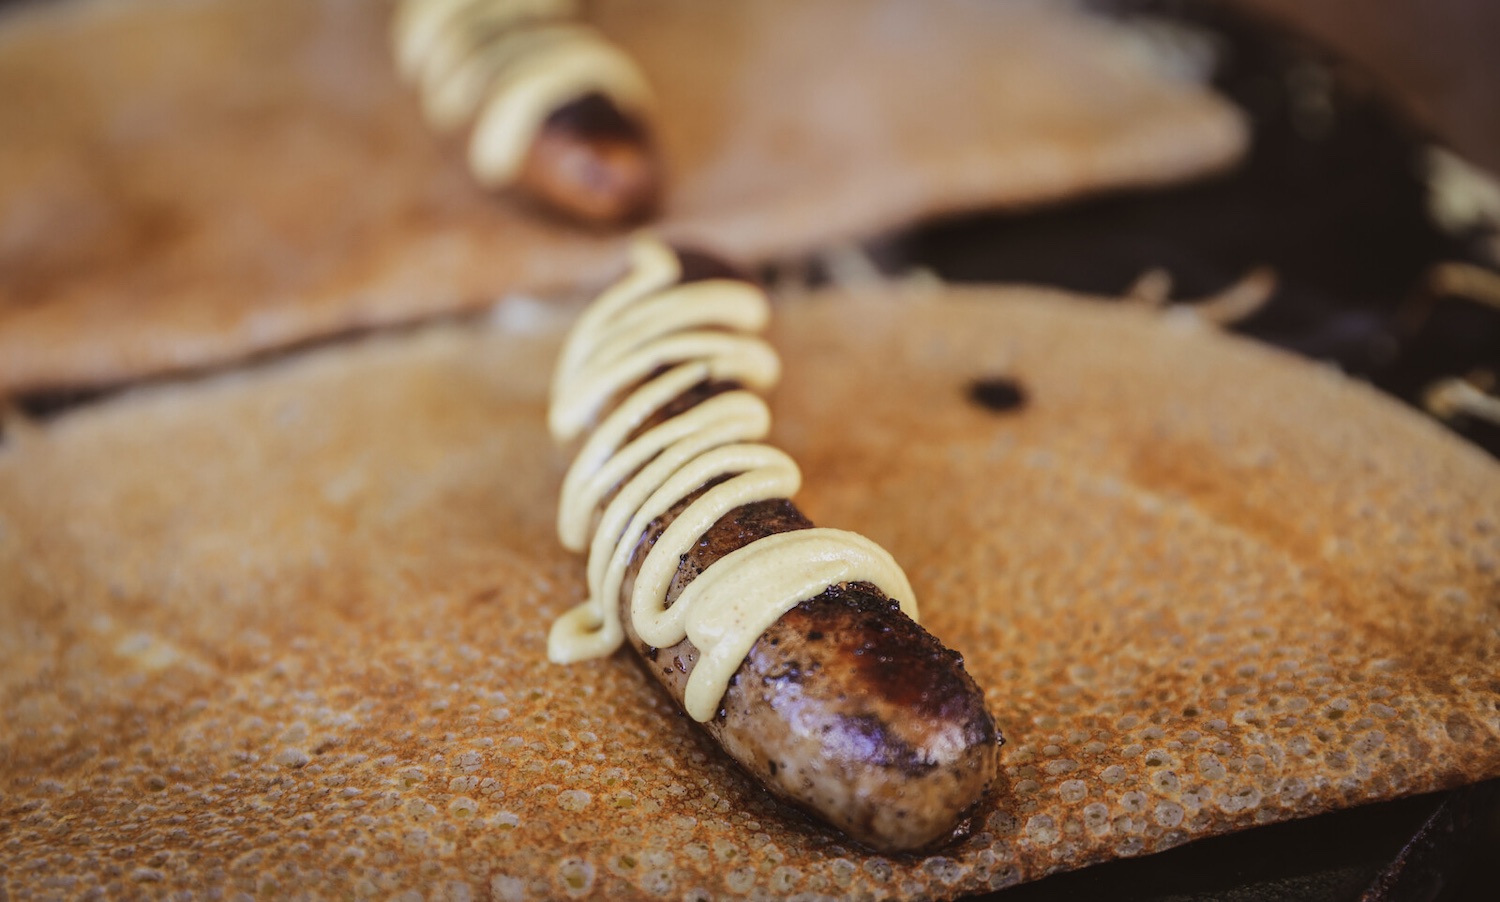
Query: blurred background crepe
{"points": [[1342, 213], [184, 185]]}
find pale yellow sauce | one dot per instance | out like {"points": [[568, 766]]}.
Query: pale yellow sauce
{"points": [[647, 323], [506, 65]]}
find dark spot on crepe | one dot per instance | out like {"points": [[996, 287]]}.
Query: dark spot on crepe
{"points": [[814, 635], [997, 393]]}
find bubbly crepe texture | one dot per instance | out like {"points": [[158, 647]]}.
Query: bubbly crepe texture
{"points": [[183, 184], [285, 629]]}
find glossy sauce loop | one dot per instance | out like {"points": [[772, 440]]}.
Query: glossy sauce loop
{"points": [[507, 65], [663, 338]]}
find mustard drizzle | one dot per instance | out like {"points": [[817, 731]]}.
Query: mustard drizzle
{"points": [[686, 333]]}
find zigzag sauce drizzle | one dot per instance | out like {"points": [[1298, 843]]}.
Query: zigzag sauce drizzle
{"points": [[689, 333]]}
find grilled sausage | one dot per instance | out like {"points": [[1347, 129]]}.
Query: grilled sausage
{"points": [[552, 108], [843, 706]]}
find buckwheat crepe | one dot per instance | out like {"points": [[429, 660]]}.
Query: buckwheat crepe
{"points": [[183, 184], [284, 629]]}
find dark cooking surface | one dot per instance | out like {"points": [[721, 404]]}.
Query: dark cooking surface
{"points": [[1425, 847]]}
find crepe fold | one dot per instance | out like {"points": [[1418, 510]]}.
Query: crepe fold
{"points": [[184, 184], [285, 629]]}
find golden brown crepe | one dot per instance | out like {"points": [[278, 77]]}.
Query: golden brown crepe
{"points": [[284, 629], [183, 184]]}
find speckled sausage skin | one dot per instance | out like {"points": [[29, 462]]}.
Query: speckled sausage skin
{"points": [[845, 707]]}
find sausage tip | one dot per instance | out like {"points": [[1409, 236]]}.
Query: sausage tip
{"points": [[594, 163]]}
